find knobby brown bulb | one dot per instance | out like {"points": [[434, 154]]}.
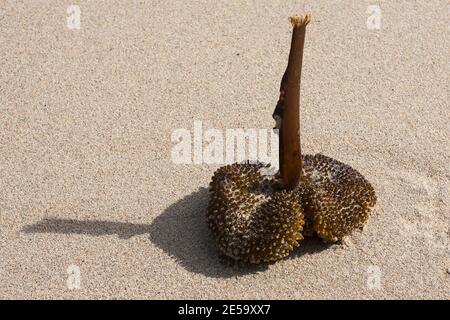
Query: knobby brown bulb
{"points": [[258, 218]]}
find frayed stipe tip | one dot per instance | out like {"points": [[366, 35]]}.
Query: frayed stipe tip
{"points": [[300, 21]]}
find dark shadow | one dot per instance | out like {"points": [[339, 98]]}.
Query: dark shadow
{"points": [[180, 231], [309, 245], [91, 227]]}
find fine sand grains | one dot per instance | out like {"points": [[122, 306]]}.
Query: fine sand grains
{"points": [[92, 205]]}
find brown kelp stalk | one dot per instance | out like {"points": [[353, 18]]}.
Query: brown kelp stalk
{"points": [[287, 114], [256, 219]]}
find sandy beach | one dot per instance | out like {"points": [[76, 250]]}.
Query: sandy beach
{"points": [[92, 205]]}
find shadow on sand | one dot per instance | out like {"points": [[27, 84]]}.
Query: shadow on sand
{"points": [[180, 231]]}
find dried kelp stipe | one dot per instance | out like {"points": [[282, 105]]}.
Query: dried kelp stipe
{"points": [[255, 217]]}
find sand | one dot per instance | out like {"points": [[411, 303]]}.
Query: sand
{"points": [[86, 178]]}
